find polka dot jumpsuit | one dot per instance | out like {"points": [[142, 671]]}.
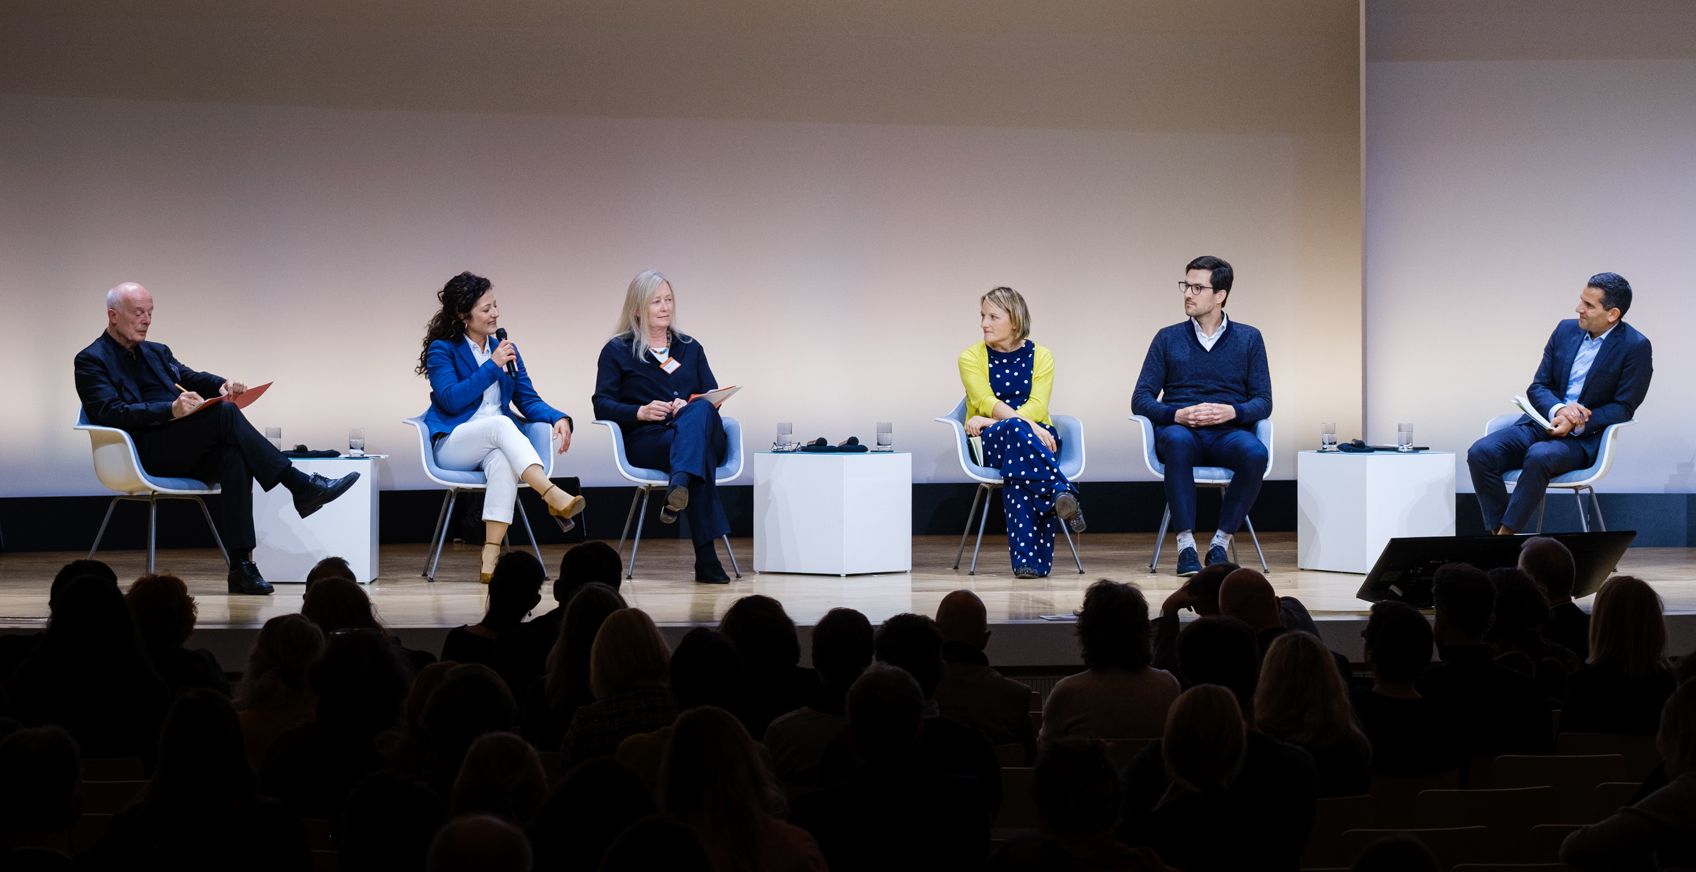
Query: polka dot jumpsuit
{"points": [[1030, 472]]}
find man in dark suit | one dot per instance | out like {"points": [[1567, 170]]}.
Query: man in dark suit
{"points": [[1550, 564], [971, 692], [124, 381], [1499, 710], [1595, 372]]}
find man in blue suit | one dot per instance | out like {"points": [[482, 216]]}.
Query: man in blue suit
{"points": [[124, 381], [1595, 372]]}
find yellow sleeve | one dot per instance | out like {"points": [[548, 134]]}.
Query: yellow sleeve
{"points": [[1042, 387], [974, 376]]}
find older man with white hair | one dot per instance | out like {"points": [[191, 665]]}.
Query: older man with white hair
{"points": [[124, 381]]}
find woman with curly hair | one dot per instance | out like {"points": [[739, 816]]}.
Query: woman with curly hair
{"points": [[1121, 695], [475, 376]]}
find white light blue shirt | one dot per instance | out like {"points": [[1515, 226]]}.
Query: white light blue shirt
{"points": [[1588, 347], [1206, 340], [492, 396]]}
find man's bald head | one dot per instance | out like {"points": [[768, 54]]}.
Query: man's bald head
{"points": [[1247, 596], [1550, 564], [129, 313], [962, 618]]}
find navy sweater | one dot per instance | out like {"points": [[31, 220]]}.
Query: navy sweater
{"points": [[1178, 372], [624, 384]]}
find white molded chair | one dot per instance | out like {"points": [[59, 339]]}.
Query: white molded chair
{"points": [[541, 436], [118, 467], [1578, 480], [1205, 476], [647, 480], [989, 478]]}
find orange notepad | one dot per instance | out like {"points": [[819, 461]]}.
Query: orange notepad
{"points": [[242, 400], [717, 397]]}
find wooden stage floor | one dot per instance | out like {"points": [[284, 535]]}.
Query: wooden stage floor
{"points": [[665, 589]]}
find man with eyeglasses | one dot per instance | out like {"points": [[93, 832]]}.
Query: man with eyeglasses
{"points": [[1204, 385]]}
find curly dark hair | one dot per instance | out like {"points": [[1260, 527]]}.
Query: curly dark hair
{"points": [[1113, 629], [457, 296]]}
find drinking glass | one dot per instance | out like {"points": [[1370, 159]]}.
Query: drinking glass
{"points": [[1404, 437], [885, 436], [275, 434], [785, 437], [356, 441], [1327, 437]]}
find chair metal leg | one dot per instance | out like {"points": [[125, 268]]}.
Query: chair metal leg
{"points": [[988, 498], [635, 545], [1583, 522], [628, 518], [453, 497], [214, 528], [733, 567], [1250, 522], [535, 546], [1160, 539], [441, 528], [152, 527], [1594, 504], [1542, 509], [1072, 545], [976, 495], [114, 504]]}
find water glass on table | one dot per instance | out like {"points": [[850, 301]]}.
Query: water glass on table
{"points": [[1404, 437], [885, 436], [1327, 437], [785, 437], [356, 442]]}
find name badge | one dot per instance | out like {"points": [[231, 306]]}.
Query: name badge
{"points": [[670, 366]]}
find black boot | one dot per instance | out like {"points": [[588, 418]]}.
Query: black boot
{"points": [[676, 499], [707, 568], [245, 578], [317, 490]]}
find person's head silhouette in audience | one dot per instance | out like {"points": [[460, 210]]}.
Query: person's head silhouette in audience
{"points": [[705, 670], [501, 776], [913, 643], [843, 647], [1398, 645], [771, 653], [628, 653], [597, 800], [589, 563], [1221, 651], [42, 797], [164, 611], [656, 843], [203, 768], [388, 823], [471, 701], [336, 603], [885, 716], [1205, 740], [1521, 607], [567, 684], [962, 618], [1398, 853], [1113, 629], [1200, 593], [1247, 596], [1464, 604], [514, 589], [1550, 564], [329, 567], [1301, 699], [479, 843], [712, 780], [360, 682], [1078, 795], [275, 678], [77, 569], [1628, 631]]}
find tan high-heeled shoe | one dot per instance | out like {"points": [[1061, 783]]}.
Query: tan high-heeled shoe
{"points": [[491, 555], [563, 506]]}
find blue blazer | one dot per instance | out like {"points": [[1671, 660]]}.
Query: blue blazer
{"points": [[111, 398], [1617, 383], [457, 384]]}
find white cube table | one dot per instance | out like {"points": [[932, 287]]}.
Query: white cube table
{"points": [[833, 514], [289, 545], [1348, 506]]}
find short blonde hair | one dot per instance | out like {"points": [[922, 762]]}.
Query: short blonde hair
{"points": [[1301, 698], [1627, 627], [1205, 738], [1008, 300], [628, 652]]}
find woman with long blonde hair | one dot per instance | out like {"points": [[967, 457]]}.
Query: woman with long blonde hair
{"points": [[1302, 700], [1629, 678], [646, 376]]}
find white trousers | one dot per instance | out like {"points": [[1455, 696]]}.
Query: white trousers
{"points": [[496, 446]]}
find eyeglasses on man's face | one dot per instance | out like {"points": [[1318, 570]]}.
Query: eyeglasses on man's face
{"points": [[1194, 290]]}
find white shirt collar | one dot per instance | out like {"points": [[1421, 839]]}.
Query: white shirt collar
{"points": [[1206, 340]]}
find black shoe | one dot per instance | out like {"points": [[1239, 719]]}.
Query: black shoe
{"points": [[1066, 509], [245, 578], [711, 573], [1025, 572], [676, 500], [1217, 554], [319, 491], [1188, 563]]}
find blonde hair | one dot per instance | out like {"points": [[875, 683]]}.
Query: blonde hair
{"points": [[633, 321], [1301, 698], [628, 652], [502, 775], [1205, 738], [1009, 301], [1627, 627]]}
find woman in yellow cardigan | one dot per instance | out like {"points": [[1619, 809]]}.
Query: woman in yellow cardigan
{"points": [[1008, 380]]}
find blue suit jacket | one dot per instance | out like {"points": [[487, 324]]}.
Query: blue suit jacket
{"points": [[111, 398], [1617, 383], [457, 384]]}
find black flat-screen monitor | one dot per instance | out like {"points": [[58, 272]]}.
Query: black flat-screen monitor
{"points": [[1405, 568]]}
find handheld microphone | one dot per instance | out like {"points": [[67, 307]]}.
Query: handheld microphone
{"points": [[511, 365]]}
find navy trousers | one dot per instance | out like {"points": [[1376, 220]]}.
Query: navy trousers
{"points": [[1524, 447], [693, 442], [217, 446], [1183, 449]]}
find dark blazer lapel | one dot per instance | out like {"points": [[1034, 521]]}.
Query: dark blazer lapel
{"points": [[156, 361], [1607, 359]]}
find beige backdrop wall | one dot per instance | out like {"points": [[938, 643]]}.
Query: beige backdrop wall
{"points": [[1513, 150], [830, 193]]}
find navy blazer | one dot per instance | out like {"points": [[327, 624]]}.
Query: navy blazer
{"points": [[624, 384], [457, 383], [1617, 383], [110, 398]]}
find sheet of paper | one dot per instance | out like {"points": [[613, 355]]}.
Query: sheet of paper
{"points": [[717, 397]]}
